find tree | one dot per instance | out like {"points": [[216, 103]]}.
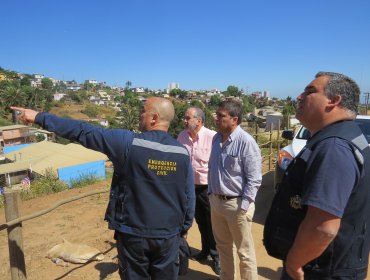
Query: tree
{"points": [[181, 94], [61, 87], [13, 96], [248, 103], [197, 103], [233, 91], [210, 118], [46, 83], [25, 81], [91, 110], [177, 124], [215, 100], [130, 118], [87, 86]]}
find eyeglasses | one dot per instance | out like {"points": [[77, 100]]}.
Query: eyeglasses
{"points": [[189, 118]]}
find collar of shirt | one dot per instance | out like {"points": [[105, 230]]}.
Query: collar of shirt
{"points": [[231, 137]]}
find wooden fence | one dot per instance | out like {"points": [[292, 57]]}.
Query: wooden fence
{"points": [[12, 203]]}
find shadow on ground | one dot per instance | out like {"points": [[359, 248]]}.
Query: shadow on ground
{"points": [[268, 273]]}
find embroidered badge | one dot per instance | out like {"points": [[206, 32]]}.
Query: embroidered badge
{"points": [[295, 202]]}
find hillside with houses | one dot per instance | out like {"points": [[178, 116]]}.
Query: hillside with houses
{"points": [[28, 152]]}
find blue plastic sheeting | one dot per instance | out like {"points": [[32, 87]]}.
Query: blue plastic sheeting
{"points": [[81, 171], [9, 149]]}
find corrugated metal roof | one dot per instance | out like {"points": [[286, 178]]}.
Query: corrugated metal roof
{"points": [[44, 155], [11, 127], [13, 167]]}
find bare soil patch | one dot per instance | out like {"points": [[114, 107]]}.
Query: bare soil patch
{"points": [[82, 221]]}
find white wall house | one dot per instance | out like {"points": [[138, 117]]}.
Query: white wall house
{"points": [[59, 96]]}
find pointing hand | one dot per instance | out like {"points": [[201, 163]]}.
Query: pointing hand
{"points": [[27, 116]]}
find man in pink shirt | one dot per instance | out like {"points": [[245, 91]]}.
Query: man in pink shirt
{"points": [[197, 139]]}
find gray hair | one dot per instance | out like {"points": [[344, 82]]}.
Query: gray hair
{"points": [[199, 114], [343, 86]]}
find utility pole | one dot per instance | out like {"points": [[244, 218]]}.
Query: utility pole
{"points": [[366, 100]]}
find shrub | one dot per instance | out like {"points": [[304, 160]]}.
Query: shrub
{"points": [[84, 180], [50, 184]]}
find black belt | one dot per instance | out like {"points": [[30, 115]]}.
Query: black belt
{"points": [[226, 197]]}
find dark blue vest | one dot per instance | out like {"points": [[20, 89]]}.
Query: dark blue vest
{"points": [[347, 255], [148, 197]]}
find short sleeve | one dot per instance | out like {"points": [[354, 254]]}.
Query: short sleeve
{"points": [[331, 175]]}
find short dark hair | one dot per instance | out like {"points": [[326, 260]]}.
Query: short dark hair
{"points": [[234, 108], [343, 86]]}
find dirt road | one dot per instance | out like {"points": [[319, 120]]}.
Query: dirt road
{"points": [[82, 222]]}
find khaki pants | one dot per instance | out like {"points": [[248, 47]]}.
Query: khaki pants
{"points": [[231, 225]]}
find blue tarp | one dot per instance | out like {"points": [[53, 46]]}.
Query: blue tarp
{"points": [[9, 149], [78, 172]]}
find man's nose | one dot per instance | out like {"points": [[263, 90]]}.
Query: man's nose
{"points": [[300, 96]]}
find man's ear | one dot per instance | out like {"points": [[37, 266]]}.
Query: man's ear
{"points": [[155, 118], [335, 100]]}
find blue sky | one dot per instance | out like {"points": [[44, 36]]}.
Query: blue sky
{"points": [[273, 45]]}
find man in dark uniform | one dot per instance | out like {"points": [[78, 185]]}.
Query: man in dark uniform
{"points": [[152, 196], [319, 222]]}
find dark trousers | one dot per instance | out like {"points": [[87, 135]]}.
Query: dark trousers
{"points": [[312, 275], [147, 258], [203, 219]]}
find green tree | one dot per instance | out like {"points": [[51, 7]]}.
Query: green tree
{"points": [[13, 96], [181, 94], [25, 81], [210, 118], [197, 103], [91, 110], [248, 103], [87, 86], [177, 124], [46, 83], [215, 100], [233, 91], [61, 87], [130, 118]]}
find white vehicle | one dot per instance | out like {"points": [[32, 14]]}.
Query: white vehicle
{"points": [[299, 140]]}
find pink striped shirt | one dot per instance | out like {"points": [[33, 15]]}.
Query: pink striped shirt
{"points": [[199, 151]]}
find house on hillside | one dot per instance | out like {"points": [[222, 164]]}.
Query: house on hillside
{"points": [[58, 96], [138, 90], [15, 134], [2, 77]]}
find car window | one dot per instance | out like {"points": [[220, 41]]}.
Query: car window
{"points": [[303, 134], [364, 125]]}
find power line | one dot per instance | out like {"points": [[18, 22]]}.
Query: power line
{"points": [[366, 100]]}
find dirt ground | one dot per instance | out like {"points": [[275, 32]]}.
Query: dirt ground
{"points": [[82, 222]]}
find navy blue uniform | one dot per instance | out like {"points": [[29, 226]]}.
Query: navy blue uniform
{"points": [[152, 196], [332, 173]]}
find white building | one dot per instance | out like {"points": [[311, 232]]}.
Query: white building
{"points": [[59, 96], [92, 82], [172, 86], [138, 90]]}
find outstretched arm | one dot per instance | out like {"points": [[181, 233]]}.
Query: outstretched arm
{"points": [[111, 142]]}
